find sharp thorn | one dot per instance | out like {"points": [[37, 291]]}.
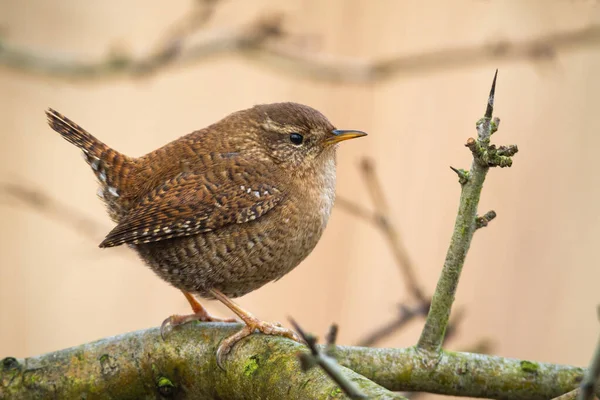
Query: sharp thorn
{"points": [[463, 176], [490, 106]]}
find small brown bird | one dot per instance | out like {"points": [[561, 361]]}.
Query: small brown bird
{"points": [[224, 210]]}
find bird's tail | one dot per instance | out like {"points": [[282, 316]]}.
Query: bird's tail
{"points": [[110, 166]]}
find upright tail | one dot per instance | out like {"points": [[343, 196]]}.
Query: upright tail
{"points": [[75, 134], [110, 166]]}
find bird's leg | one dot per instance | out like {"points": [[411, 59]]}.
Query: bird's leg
{"points": [[251, 324], [200, 314]]}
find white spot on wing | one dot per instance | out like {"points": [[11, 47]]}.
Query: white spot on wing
{"points": [[113, 191]]}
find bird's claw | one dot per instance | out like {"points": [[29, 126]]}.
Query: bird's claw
{"points": [[268, 328], [166, 327]]}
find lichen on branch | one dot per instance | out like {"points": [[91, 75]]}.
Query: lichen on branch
{"points": [[141, 365]]}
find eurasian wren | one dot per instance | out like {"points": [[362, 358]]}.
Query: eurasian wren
{"points": [[226, 209]]}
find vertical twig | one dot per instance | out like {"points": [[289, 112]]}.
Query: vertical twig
{"points": [[484, 157], [590, 381]]}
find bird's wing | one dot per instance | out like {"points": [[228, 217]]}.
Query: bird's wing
{"points": [[190, 204]]}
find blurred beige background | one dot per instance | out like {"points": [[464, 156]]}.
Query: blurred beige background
{"points": [[531, 278]]}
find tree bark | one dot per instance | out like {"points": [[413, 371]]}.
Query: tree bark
{"points": [[140, 365]]}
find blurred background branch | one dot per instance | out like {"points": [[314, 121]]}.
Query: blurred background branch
{"points": [[417, 305], [22, 195], [265, 42]]}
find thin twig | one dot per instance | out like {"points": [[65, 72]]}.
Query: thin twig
{"points": [[485, 219], [436, 324], [390, 232], [406, 314], [381, 219], [590, 381], [356, 210], [325, 360]]}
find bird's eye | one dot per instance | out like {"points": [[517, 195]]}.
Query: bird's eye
{"points": [[296, 138]]}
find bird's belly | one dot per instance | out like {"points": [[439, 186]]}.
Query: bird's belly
{"points": [[235, 259]]}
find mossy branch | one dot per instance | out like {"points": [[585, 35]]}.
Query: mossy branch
{"points": [[572, 395], [141, 365], [460, 374]]}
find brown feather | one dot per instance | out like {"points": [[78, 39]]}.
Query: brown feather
{"points": [[191, 204]]}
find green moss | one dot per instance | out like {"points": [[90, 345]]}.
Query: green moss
{"points": [[251, 365], [165, 386], [529, 367], [406, 373], [493, 127], [31, 378], [335, 392]]}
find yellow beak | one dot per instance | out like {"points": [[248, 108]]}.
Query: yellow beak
{"points": [[341, 135]]}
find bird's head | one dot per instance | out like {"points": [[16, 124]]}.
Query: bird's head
{"points": [[292, 135]]}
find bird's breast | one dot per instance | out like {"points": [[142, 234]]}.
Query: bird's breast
{"points": [[327, 195], [315, 200]]}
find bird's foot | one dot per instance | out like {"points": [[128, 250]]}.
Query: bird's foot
{"points": [[200, 314], [253, 324], [176, 320]]}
